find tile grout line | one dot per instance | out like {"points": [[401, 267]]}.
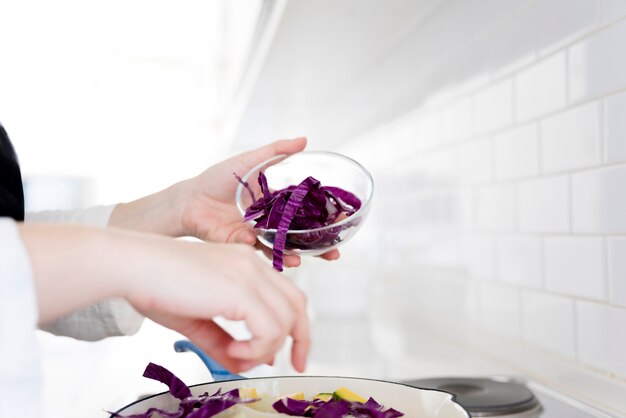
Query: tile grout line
{"points": [[608, 288]]}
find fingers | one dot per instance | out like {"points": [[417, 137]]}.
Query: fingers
{"points": [[299, 352], [300, 332], [288, 259], [331, 255], [268, 324], [277, 309], [233, 282], [243, 236], [213, 340], [282, 146], [291, 260], [289, 146], [248, 160]]}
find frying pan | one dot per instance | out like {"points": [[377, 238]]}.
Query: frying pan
{"points": [[413, 402]]}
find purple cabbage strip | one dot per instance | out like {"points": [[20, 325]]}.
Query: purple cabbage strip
{"points": [[306, 206], [267, 195], [246, 185], [334, 408], [291, 208], [216, 403], [153, 411], [372, 409], [204, 406], [342, 195], [178, 388], [291, 406]]}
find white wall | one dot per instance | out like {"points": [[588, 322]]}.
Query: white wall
{"points": [[501, 197]]}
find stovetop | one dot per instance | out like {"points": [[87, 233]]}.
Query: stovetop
{"points": [[556, 405], [510, 397]]}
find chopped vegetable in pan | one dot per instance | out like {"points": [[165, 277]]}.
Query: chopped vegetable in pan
{"points": [[247, 403]]}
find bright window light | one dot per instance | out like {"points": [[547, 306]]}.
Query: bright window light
{"points": [[130, 95]]}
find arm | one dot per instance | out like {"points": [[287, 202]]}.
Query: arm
{"points": [[181, 285], [111, 317], [204, 206]]}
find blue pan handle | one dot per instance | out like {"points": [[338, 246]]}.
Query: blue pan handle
{"points": [[218, 371]]}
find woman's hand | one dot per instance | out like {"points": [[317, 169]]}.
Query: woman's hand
{"points": [[210, 212], [199, 281], [204, 206], [179, 284]]}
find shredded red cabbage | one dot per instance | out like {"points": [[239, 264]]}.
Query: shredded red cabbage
{"points": [[309, 205], [203, 406], [206, 406], [178, 388], [334, 408]]}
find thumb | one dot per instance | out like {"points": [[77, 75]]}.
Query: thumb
{"points": [[249, 159]]}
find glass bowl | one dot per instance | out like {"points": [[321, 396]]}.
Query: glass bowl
{"points": [[331, 169]]}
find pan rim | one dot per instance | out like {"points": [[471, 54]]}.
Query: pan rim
{"points": [[451, 396]]}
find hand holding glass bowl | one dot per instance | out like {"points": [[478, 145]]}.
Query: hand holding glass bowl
{"points": [[330, 169]]}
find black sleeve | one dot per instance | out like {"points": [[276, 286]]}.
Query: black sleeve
{"points": [[11, 191]]}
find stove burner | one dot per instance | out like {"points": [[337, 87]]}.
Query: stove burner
{"points": [[485, 397]]}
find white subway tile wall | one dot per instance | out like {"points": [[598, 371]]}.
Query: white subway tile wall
{"points": [[501, 310], [575, 266], [548, 322], [495, 208], [478, 255], [494, 106], [518, 171], [543, 204], [602, 336], [541, 88], [457, 120], [571, 139], [519, 260], [617, 270], [599, 201], [597, 64], [615, 129], [515, 152], [475, 161]]}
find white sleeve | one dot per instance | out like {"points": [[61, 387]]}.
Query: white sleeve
{"points": [[113, 317], [20, 370], [104, 319], [94, 216]]}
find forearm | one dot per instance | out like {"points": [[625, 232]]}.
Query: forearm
{"points": [[158, 213], [75, 266], [181, 285]]}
